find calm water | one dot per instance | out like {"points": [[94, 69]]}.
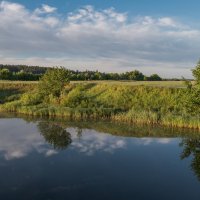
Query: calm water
{"points": [[44, 160]]}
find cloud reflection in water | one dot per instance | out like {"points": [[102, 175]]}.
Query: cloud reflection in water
{"points": [[19, 138]]}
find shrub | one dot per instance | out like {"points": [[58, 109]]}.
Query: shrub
{"points": [[31, 99]]}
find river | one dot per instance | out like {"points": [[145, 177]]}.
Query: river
{"points": [[44, 159]]}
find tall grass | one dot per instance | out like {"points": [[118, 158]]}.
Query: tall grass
{"points": [[10, 91], [120, 103]]}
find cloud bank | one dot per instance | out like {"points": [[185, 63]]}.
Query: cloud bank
{"points": [[92, 39]]}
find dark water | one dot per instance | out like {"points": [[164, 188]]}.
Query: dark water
{"points": [[44, 160]]}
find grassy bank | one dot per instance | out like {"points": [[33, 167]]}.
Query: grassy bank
{"points": [[117, 129], [168, 84], [12, 90], [125, 103]]}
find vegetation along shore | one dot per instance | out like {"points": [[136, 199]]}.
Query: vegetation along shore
{"points": [[54, 95]]}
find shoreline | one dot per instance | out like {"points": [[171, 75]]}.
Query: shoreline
{"points": [[117, 103], [50, 112], [108, 126]]}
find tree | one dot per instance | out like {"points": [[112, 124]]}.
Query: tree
{"points": [[5, 74], [154, 77], [193, 104], [196, 73], [135, 75], [53, 82]]}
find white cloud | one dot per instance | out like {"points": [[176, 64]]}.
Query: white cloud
{"points": [[97, 39], [51, 152], [11, 7], [19, 139], [149, 141], [166, 21], [48, 9], [92, 142], [45, 9]]}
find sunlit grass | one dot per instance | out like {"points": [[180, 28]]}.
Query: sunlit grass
{"points": [[127, 102], [174, 84]]}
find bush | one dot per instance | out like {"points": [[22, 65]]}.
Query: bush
{"points": [[31, 99]]}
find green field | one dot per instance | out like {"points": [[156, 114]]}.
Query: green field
{"points": [[17, 82], [17, 85], [171, 84]]}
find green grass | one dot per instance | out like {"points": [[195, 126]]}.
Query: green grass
{"points": [[21, 85], [12, 90], [18, 82], [162, 103], [170, 84]]}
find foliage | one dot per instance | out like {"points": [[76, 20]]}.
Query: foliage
{"points": [[53, 82], [194, 92], [154, 77], [6, 74], [196, 73], [31, 98], [10, 91], [22, 72], [134, 75], [54, 96], [121, 103], [193, 103], [24, 68]]}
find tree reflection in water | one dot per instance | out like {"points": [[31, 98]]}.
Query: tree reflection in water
{"points": [[55, 134], [79, 132], [192, 148]]}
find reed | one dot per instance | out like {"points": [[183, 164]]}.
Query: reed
{"points": [[120, 103]]}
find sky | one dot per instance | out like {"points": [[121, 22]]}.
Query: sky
{"points": [[152, 36]]}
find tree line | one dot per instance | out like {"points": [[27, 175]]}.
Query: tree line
{"points": [[54, 95], [33, 73], [6, 74]]}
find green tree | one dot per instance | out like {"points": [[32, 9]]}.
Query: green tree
{"points": [[5, 74], [154, 77], [134, 75], [53, 82], [196, 73], [193, 104]]}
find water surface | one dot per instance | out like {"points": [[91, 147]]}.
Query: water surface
{"points": [[44, 160]]}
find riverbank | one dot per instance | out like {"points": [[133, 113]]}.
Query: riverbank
{"points": [[107, 126], [119, 103]]}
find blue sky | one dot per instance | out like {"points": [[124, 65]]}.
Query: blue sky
{"points": [[180, 8], [153, 36]]}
